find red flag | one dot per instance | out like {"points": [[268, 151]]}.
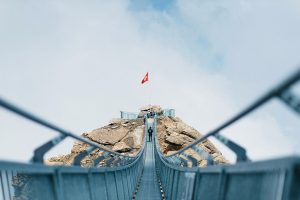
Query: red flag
{"points": [[145, 79]]}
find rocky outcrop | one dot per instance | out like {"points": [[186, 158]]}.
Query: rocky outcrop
{"points": [[121, 147], [120, 135], [150, 108], [174, 134], [109, 135], [126, 137]]}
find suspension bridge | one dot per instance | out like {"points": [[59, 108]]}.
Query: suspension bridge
{"points": [[151, 174]]}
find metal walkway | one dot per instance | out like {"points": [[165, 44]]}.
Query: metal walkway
{"points": [[121, 174], [149, 189]]}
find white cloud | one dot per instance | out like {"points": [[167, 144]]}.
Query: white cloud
{"points": [[77, 64]]}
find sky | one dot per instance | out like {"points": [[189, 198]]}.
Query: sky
{"points": [[78, 63]]}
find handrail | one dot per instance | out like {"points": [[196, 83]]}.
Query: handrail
{"points": [[63, 133], [128, 115], [275, 92], [112, 181]]}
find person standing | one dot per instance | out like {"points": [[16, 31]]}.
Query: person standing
{"points": [[150, 131]]}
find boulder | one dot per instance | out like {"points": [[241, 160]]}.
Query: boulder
{"points": [[146, 109], [121, 147], [129, 141], [178, 139], [107, 136], [182, 128], [78, 147], [153, 108]]}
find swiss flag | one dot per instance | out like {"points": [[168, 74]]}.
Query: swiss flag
{"points": [[145, 79]]}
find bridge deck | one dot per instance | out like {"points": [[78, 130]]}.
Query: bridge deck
{"points": [[149, 189]]}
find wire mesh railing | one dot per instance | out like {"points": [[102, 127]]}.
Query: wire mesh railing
{"points": [[128, 115], [43, 149], [272, 179], [116, 179], [283, 92], [169, 112], [35, 181]]}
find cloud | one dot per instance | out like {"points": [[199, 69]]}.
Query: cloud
{"points": [[79, 64]]}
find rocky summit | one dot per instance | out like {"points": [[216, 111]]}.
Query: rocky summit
{"points": [[174, 134], [126, 137], [120, 135]]}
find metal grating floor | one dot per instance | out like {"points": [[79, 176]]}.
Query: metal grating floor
{"points": [[149, 189]]}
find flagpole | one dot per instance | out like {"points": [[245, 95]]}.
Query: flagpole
{"points": [[149, 90]]}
